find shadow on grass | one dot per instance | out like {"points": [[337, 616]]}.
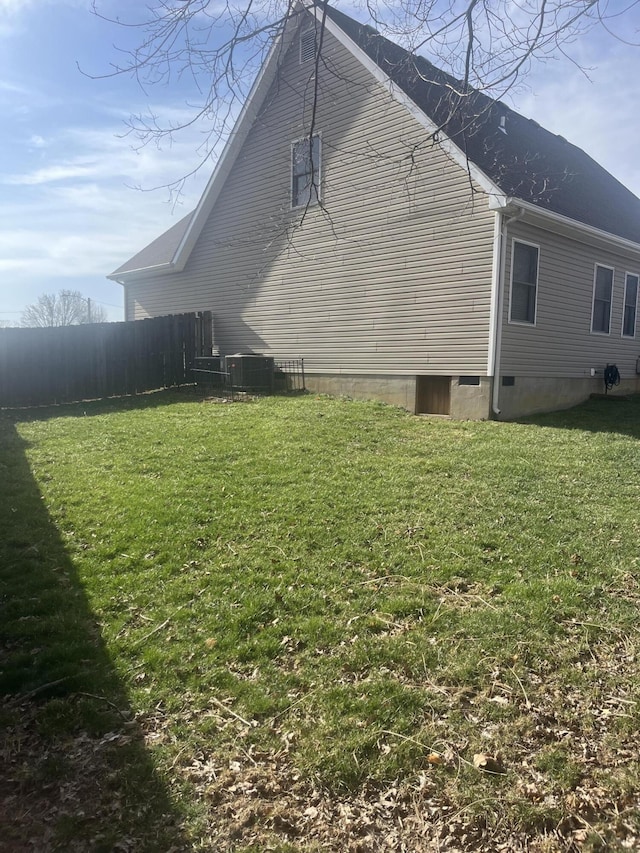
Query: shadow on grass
{"points": [[76, 774], [613, 415], [89, 408], [149, 400]]}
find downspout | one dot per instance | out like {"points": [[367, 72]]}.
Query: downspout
{"points": [[124, 287], [497, 305]]}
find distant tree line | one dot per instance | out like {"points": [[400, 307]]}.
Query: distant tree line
{"points": [[65, 308]]}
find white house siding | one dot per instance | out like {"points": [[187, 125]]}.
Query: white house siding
{"points": [[393, 277], [561, 343]]}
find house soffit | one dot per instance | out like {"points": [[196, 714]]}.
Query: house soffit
{"points": [[546, 220]]}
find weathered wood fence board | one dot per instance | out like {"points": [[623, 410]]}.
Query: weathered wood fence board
{"points": [[72, 363]]}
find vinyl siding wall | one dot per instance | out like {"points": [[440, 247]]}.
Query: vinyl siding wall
{"points": [[392, 277], [561, 343]]}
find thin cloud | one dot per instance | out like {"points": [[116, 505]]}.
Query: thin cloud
{"points": [[69, 211], [101, 154], [12, 7], [16, 7], [58, 172], [13, 12], [13, 88]]}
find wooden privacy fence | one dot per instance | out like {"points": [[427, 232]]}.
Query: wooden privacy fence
{"points": [[66, 364]]}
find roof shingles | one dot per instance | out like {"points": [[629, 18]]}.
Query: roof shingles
{"points": [[160, 252], [525, 161]]}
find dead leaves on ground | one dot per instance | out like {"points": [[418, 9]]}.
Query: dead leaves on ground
{"points": [[549, 767], [488, 763]]}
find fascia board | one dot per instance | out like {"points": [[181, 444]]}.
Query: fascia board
{"points": [[398, 95], [141, 272], [236, 138], [580, 231]]}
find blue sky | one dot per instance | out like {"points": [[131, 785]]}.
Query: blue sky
{"points": [[70, 212]]}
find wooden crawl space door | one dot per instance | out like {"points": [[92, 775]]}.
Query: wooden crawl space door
{"points": [[433, 395]]}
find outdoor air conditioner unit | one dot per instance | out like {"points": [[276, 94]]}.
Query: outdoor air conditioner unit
{"points": [[250, 372], [208, 370]]}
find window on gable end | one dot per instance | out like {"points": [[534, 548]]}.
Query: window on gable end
{"points": [[307, 45], [524, 283], [630, 305], [602, 297], [305, 171]]}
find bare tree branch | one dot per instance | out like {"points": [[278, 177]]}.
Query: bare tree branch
{"points": [[66, 308], [219, 47]]}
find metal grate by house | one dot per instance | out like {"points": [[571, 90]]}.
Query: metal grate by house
{"points": [[235, 376], [289, 375]]}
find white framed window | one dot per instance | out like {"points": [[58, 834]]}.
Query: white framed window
{"points": [[305, 171], [524, 282], [629, 308], [307, 45], [602, 299]]}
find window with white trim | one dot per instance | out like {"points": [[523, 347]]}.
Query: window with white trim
{"points": [[524, 283], [305, 171], [602, 298], [630, 305]]}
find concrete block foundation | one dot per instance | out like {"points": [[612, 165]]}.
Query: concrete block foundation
{"points": [[467, 402], [529, 396], [395, 390], [522, 396]]}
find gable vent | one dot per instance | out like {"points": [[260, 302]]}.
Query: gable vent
{"points": [[307, 45]]}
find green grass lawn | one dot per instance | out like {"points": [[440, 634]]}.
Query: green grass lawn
{"points": [[300, 624]]}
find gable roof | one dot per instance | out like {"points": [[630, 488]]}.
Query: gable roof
{"points": [[513, 158], [160, 252], [522, 159]]}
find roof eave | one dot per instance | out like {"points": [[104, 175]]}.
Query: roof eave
{"points": [[156, 269], [497, 199], [253, 103], [549, 220], [493, 191]]}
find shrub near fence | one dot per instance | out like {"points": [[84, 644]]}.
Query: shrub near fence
{"points": [[66, 364]]}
